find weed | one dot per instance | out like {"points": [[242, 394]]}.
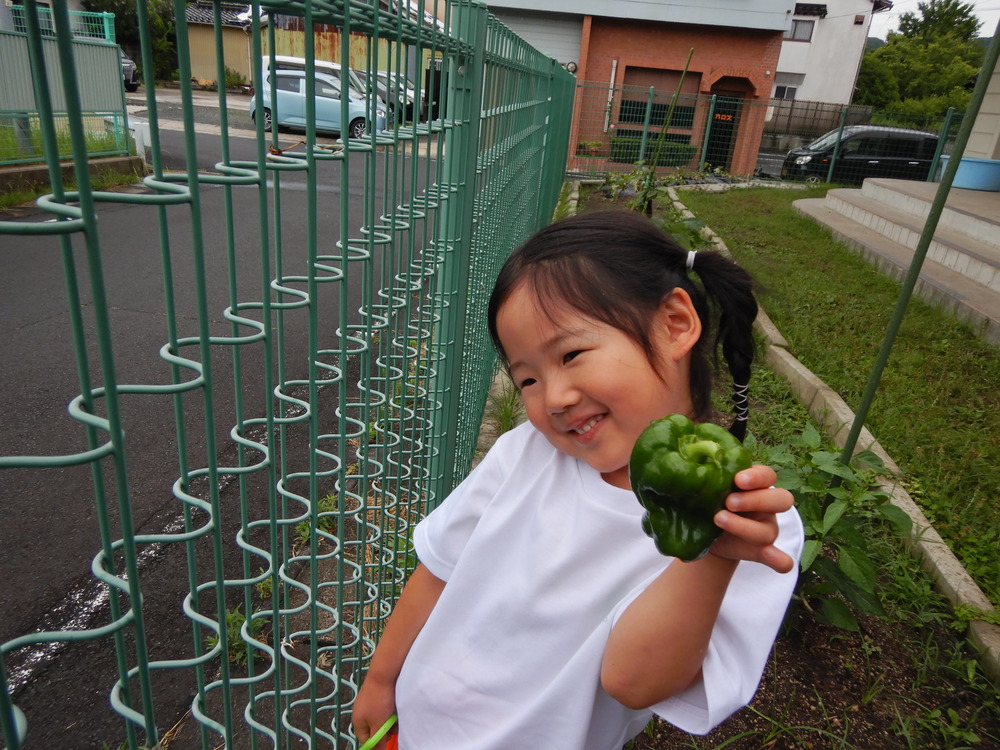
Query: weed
{"points": [[239, 649], [234, 78], [326, 521], [504, 410], [265, 587]]}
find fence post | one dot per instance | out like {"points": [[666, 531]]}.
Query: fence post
{"points": [[645, 124], [108, 19], [708, 132], [836, 146], [465, 79], [942, 138]]}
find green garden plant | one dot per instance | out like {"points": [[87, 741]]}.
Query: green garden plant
{"points": [[835, 502]]}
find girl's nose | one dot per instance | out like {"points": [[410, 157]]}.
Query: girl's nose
{"points": [[560, 395]]}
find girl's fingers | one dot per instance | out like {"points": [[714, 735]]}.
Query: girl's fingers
{"points": [[751, 537], [755, 528], [770, 500], [757, 477]]}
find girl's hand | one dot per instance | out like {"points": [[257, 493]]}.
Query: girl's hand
{"points": [[748, 523], [375, 703]]}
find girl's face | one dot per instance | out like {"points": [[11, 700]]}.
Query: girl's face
{"points": [[588, 387]]}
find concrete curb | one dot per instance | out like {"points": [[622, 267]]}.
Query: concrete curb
{"points": [[835, 417], [30, 176]]}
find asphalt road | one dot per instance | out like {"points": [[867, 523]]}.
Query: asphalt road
{"points": [[50, 531]]}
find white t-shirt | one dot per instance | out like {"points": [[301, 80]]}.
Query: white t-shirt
{"points": [[541, 556]]}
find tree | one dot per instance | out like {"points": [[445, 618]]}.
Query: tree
{"points": [[940, 17], [877, 85], [932, 61], [929, 67], [162, 31]]}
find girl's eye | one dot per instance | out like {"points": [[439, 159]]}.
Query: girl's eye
{"points": [[572, 355], [526, 382]]}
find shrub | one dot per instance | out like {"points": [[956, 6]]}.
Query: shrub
{"points": [[626, 151]]}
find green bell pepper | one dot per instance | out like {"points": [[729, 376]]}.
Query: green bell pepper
{"points": [[681, 473]]}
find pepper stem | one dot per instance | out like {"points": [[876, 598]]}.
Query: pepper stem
{"points": [[699, 451]]}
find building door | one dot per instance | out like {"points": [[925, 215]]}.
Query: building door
{"points": [[722, 133]]}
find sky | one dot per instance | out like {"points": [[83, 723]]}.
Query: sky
{"points": [[987, 11]]}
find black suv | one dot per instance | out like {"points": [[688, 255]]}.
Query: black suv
{"points": [[129, 73], [865, 151]]}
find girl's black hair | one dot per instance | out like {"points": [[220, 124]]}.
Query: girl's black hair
{"points": [[617, 267]]}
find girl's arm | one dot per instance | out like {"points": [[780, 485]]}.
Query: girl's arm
{"points": [[376, 700], [657, 646]]}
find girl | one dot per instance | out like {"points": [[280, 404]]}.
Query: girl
{"points": [[541, 615]]}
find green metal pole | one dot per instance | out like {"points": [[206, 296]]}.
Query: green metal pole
{"points": [[645, 124], [937, 207], [836, 146], [708, 131], [942, 141]]}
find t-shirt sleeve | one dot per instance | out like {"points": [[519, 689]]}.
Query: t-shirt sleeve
{"points": [[441, 537], [744, 633]]}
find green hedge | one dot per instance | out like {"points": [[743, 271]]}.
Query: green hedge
{"points": [[626, 151]]}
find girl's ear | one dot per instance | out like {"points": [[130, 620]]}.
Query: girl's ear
{"points": [[680, 324]]}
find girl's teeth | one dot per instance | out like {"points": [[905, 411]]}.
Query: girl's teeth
{"points": [[587, 427]]}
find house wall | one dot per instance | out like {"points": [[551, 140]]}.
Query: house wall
{"points": [[289, 39], [984, 141], [769, 15], [236, 49], [829, 61], [557, 35], [725, 61]]}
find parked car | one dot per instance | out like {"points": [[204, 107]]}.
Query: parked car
{"points": [[130, 75], [290, 86], [397, 92], [287, 62], [864, 151]]}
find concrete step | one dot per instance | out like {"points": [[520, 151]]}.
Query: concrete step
{"points": [[973, 303], [952, 248], [974, 213]]}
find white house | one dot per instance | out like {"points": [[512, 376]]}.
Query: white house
{"points": [[822, 49]]}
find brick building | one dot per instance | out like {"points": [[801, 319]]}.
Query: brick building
{"points": [[621, 49]]}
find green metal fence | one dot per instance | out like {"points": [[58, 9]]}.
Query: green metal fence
{"points": [[616, 127], [106, 134], [324, 367]]}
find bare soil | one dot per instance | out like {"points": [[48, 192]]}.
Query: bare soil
{"points": [[827, 688]]}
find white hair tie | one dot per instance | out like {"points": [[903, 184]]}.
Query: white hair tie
{"points": [[690, 260]]}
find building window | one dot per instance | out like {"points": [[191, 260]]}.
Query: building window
{"points": [[633, 112], [801, 31], [784, 92], [810, 9]]}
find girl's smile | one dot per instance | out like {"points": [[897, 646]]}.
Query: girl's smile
{"points": [[587, 386]]}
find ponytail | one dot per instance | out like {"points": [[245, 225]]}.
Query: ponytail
{"points": [[617, 267], [729, 289]]}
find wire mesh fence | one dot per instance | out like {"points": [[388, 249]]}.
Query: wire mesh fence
{"points": [[21, 140], [309, 372], [677, 131]]}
